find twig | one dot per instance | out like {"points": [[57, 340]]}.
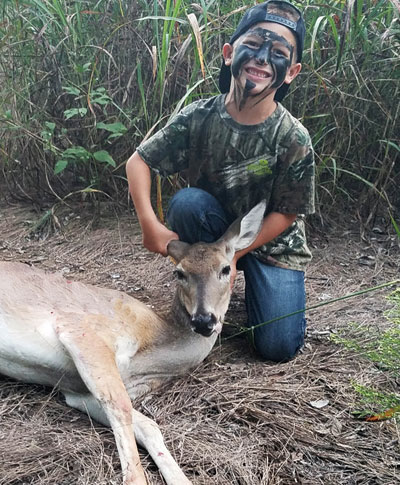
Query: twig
{"points": [[313, 307]]}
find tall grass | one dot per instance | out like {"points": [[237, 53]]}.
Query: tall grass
{"points": [[83, 83], [353, 93]]}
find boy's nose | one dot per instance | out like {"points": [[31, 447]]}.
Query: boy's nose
{"points": [[262, 60], [263, 55]]}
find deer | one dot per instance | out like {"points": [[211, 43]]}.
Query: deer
{"points": [[102, 348]]}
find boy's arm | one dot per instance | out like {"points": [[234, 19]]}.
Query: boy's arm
{"points": [[155, 235], [274, 224]]}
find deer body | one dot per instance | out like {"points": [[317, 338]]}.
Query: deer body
{"points": [[146, 348], [102, 348]]}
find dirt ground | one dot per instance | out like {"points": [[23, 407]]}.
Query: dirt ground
{"points": [[234, 419]]}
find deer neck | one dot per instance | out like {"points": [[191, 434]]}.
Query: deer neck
{"points": [[179, 316], [177, 350]]}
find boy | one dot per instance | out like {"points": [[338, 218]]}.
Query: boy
{"points": [[238, 148]]}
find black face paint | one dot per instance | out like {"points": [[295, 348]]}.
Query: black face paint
{"points": [[265, 47]]}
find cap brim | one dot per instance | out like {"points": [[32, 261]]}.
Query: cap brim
{"points": [[225, 78], [281, 92]]}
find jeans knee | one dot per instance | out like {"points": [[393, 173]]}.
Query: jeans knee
{"points": [[277, 353], [196, 215], [189, 202], [280, 347]]}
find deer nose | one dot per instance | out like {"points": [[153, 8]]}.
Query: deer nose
{"points": [[203, 323]]}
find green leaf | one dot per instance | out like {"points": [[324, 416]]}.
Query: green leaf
{"points": [[60, 166], [99, 96], [71, 90], [116, 128], [77, 153], [81, 69], [395, 225], [104, 156], [45, 135], [163, 17], [392, 144], [50, 125], [69, 113], [113, 135]]}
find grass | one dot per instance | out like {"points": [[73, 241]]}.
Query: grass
{"points": [[82, 85], [381, 347]]}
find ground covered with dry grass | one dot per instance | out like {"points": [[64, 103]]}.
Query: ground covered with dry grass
{"points": [[234, 419]]}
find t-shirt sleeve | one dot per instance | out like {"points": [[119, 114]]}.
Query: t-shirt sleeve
{"points": [[294, 187], [167, 151]]}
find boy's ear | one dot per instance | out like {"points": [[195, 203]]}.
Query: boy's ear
{"points": [[227, 52], [292, 72]]}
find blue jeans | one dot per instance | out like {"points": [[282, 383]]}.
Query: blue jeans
{"points": [[195, 215]]}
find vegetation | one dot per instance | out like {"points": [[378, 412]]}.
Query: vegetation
{"points": [[84, 82], [382, 347]]}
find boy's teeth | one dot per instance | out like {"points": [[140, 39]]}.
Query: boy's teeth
{"points": [[257, 73]]}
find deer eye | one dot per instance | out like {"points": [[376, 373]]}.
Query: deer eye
{"points": [[180, 275], [225, 271]]}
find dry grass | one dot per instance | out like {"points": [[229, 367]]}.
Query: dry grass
{"points": [[234, 420]]}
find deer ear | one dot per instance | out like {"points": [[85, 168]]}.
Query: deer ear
{"points": [[243, 232], [177, 249]]}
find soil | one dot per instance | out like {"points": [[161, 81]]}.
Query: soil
{"points": [[234, 419]]}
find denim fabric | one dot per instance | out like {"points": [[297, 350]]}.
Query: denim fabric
{"points": [[270, 291]]}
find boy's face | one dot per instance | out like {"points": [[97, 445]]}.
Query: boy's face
{"points": [[262, 59]]}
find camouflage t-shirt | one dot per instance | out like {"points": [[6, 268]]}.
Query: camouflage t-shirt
{"points": [[241, 165]]}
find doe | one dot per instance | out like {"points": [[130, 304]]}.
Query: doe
{"points": [[103, 348]]}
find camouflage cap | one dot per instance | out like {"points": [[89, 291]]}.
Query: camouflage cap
{"points": [[271, 11]]}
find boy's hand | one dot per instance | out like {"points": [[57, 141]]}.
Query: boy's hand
{"points": [[233, 271], [156, 237]]}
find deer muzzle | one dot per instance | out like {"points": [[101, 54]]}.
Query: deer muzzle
{"points": [[204, 323]]}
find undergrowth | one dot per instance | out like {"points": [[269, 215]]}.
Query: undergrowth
{"points": [[382, 347], [83, 83]]}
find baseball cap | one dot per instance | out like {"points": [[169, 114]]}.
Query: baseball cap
{"points": [[277, 11]]}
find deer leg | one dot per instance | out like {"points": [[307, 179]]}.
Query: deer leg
{"points": [[96, 365], [148, 435], [87, 404]]}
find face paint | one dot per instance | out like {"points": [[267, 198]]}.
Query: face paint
{"points": [[265, 48]]}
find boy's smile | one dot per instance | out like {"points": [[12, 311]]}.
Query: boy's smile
{"points": [[257, 73]]}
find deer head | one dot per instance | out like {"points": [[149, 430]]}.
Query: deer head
{"points": [[203, 272]]}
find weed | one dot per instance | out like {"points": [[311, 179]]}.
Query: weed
{"points": [[374, 403], [383, 349]]}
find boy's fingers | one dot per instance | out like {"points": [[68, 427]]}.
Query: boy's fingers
{"points": [[233, 274], [173, 237], [156, 238]]}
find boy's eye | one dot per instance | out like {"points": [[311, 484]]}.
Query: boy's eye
{"points": [[280, 53], [251, 43]]}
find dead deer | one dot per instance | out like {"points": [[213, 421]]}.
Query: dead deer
{"points": [[102, 348]]}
